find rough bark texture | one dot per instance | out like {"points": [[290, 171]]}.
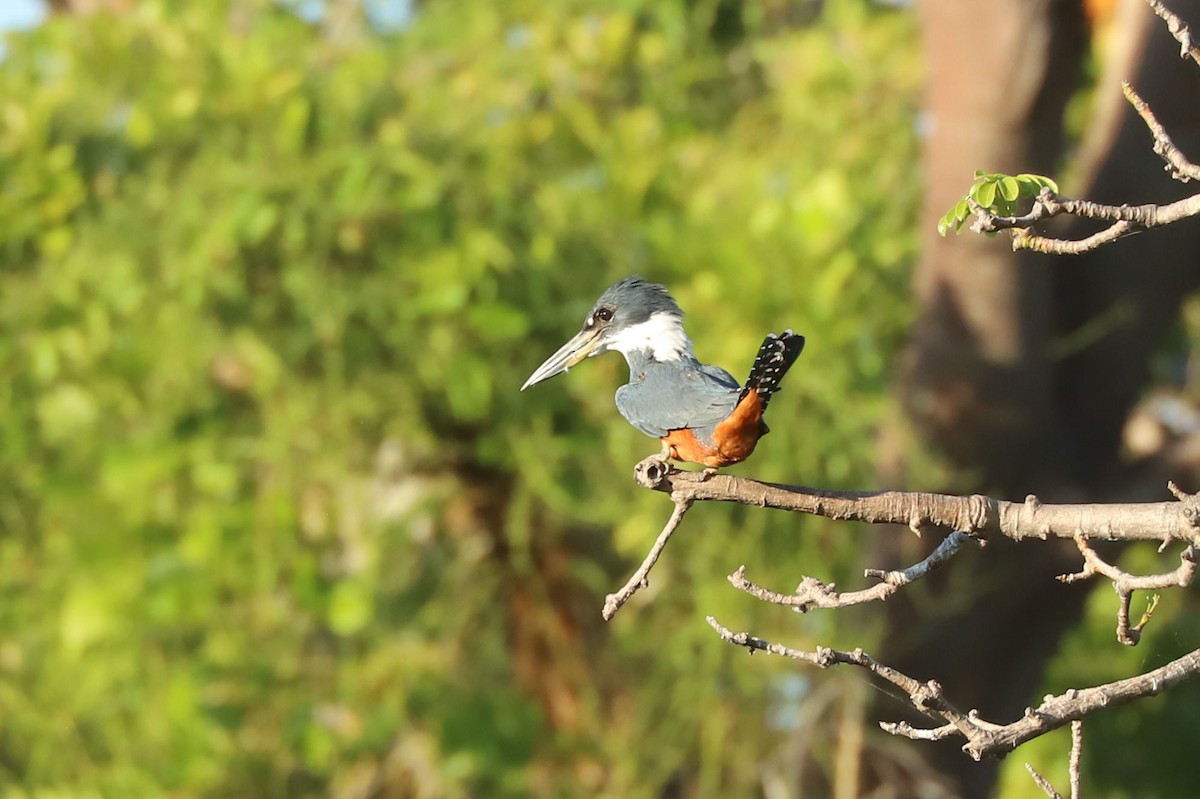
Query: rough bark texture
{"points": [[1023, 368]]}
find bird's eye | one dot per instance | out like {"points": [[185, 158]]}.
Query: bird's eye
{"points": [[604, 314]]}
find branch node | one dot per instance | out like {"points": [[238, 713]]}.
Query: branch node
{"points": [[1191, 504], [652, 471], [927, 694]]}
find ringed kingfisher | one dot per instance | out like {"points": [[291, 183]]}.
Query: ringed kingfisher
{"points": [[699, 411]]}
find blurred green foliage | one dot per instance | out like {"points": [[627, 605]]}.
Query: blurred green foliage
{"points": [[274, 519]]}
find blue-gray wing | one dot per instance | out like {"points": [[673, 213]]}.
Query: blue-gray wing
{"points": [[670, 396], [720, 375]]}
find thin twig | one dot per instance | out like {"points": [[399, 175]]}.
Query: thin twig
{"points": [[1181, 576], [613, 602], [1043, 783], [1178, 164], [1180, 31], [1125, 584], [1076, 756], [1024, 240], [983, 738], [814, 593], [1073, 771], [926, 697]]}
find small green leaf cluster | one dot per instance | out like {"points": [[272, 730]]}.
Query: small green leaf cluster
{"points": [[996, 192]]}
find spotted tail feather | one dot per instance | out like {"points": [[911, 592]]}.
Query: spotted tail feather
{"points": [[775, 357]]}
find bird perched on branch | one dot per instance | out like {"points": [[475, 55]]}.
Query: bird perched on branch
{"points": [[698, 411]]}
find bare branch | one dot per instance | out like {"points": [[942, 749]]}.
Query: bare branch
{"points": [[983, 738], [1024, 240], [639, 580], [814, 593], [1178, 164], [1125, 583], [1126, 219], [1076, 754], [1056, 711], [925, 696], [1180, 31], [976, 515], [1043, 783], [1076, 757]]}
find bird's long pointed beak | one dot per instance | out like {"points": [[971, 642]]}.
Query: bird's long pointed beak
{"points": [[584, 344]]}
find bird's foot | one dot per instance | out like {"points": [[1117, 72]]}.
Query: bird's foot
{"points": [[707, 472]]}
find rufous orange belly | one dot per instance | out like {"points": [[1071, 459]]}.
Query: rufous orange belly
{"points": [[734, 438]]}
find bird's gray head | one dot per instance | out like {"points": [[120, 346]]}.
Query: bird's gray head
{"points": [[637, 318]]}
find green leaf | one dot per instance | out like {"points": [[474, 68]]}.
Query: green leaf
{"points": [[943, 225], [954, 218], [1031, 185], [985, 193], [1010, 189]]}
